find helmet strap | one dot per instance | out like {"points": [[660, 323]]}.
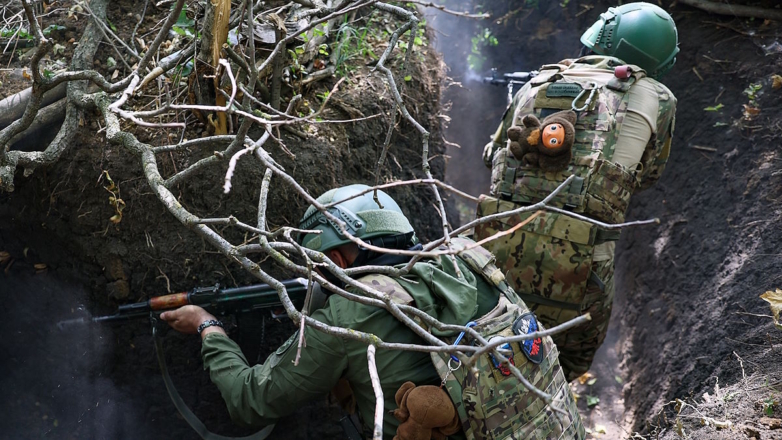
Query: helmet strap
{"points": [[585, 51]]}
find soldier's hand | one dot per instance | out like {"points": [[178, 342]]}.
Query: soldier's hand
{"points": [[187, 319]]}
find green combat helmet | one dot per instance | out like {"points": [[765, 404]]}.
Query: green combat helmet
{"points": [[362, 215], [637, 33]]}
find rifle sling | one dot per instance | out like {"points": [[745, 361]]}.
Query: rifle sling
{"points": [[182, 407]]}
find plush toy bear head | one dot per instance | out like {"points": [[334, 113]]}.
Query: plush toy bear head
{"points": [[546, 144], [426, 412]]}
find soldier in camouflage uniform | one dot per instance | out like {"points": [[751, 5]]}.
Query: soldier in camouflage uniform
{"points": [[562, 266], [492, 404]]}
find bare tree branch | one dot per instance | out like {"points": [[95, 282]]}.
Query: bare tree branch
{"points": [[377, 433], [728, 8]]}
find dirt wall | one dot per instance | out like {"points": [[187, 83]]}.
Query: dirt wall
{"points": [[682, 287], [104, 382]]}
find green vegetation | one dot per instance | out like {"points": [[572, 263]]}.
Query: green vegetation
{"points": [[351, 42], [480, 42], [753, 92], [20, 33], [185, 26]]}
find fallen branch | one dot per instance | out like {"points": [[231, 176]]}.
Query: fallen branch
{"points": [[12, 107], [442, 8]]}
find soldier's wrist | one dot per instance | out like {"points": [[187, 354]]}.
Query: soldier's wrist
{"points": [[210, 325]]}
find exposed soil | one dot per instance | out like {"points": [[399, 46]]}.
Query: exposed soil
{"points": [[683, 289], [104, 382]]}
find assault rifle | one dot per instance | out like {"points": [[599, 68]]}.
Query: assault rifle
{"points": [[216, 300], [509, 80]]}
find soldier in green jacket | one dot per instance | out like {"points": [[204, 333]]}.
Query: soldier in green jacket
{"points": [[561, 266], [259, 395]]}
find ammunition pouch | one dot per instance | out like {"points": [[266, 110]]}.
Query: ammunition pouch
{"points": [[548, 261]]}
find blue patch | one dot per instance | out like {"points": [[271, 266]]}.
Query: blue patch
{"points": [[504, 370], [532, 348]]}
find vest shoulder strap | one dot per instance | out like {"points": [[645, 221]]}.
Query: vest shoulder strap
{"points": [[481, 261], [389, 286]]}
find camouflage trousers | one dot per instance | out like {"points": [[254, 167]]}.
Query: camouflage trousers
{"points": [[549, 262]]}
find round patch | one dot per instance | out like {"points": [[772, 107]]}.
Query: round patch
{"points": [[504, 370], [284, 347], [532, 348]]}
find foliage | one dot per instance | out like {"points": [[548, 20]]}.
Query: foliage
{"points": [[752, 92], [480, 41], [20, 33], [419, 40], [53, 27], [714, 108], [351, 43], [185, 26]]}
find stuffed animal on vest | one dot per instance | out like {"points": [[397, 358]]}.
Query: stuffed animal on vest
{"points": [[426, 412], [546, 144]]}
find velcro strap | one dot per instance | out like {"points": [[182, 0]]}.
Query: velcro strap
{"points": [[598, 282], [604, 235], [510, 175]]}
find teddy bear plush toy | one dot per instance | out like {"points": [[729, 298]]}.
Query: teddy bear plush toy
{"points": [[426, 412], [546, 144]]}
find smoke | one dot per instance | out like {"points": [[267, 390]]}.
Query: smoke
{"points": [[530, 37], [53, 381], [470, 76], [476, 107]]}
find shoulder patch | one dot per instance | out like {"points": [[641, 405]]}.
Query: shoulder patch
{"points": [[503, 369], [532, 348]]}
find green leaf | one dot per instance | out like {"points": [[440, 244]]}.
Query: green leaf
{"points": [[52, 27], [720, 124], [592, 381], [111, 25], [715, 108], [183, 22], [618, 379], [187, 69], [408, 78], [111, 62], [592, 401]]}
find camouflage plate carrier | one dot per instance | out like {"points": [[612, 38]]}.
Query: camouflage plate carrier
{"points": [[493, 404], [549, 261]]}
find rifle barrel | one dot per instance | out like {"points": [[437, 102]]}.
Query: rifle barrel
{"points": [[232, 300]]}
